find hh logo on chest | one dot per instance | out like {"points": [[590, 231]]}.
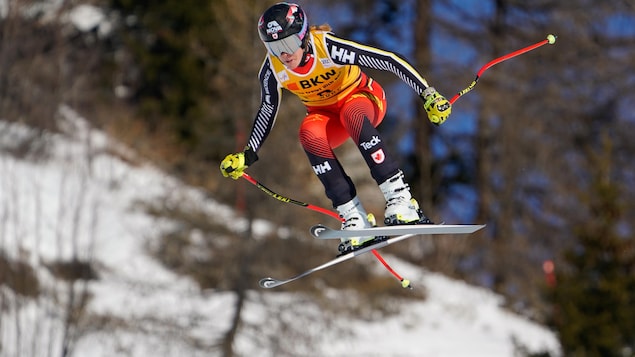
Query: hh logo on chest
{"points": [[343, 55]]}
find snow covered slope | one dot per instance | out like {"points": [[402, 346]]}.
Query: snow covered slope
{"points": [[80, 203]]}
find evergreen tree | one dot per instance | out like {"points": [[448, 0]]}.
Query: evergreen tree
{"points": [[595, 297], [173, 47]]}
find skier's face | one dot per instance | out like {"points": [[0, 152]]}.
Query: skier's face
{"points": [[292, 60]]}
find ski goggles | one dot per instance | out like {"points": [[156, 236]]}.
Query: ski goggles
{"points": [[289, 45]]}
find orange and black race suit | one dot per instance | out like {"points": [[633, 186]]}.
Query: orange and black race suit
{"points": [[342, 102], [335, 74]]}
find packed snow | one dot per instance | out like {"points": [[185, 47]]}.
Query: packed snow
{"points": [[81, 202]]}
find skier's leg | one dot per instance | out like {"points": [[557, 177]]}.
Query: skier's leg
{"points": [[318, 133], [360, 115], [357, 116], [313, 137]]}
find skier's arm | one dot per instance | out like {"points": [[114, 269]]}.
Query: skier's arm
{"points": [[270, 97], [270, 93], [345, 52]]}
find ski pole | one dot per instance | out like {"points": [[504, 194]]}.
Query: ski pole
{"points": [[289, 200], [551, 39], [404, 282]]}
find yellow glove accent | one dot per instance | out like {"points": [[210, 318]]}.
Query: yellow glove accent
{"points": [[233, 165], [437, 107]]}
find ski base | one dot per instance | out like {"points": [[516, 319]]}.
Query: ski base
{"points": [[323, 232], [385, 236], [269, 283]]}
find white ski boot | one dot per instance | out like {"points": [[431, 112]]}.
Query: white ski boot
{"points": [[401, 208], [355, 217]]}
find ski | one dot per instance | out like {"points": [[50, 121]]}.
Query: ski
{"points": [[323, 232], [269, 283]]}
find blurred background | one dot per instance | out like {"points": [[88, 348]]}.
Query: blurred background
{"points": [[540, 151]]}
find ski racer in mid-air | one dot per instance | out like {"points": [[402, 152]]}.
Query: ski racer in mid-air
{"points": [[325, 73]]}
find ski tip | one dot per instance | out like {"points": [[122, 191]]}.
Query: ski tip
{"points": [[268, 283], [475, 228]]}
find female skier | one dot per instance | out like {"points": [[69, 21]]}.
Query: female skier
{"points": [[342, 102]]}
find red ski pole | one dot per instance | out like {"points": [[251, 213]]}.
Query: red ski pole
{"points": [[551, 39], [404, 282]]}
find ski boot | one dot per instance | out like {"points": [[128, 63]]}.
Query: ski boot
{"points": [[401, 208], [354, 217]]}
